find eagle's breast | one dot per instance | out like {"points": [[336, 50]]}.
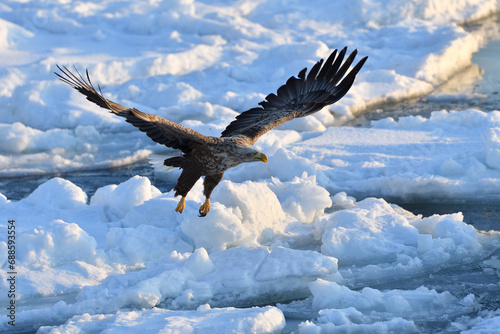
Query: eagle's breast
{"points": [[220, 155]]}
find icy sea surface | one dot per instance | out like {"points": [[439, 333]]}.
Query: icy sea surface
{"points": [[378, 214]]}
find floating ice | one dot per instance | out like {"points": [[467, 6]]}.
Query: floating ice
{"points": [[290, 230], [147, 262], [205, 319]]}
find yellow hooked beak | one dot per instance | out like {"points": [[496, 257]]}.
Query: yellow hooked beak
{"points": [[261, 157]]}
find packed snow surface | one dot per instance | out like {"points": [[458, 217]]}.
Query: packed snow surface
{"points": [[289, 233]]}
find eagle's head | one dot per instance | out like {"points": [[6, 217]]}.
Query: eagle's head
{"points": [[248, 154], [255, 155], [259, 156]]}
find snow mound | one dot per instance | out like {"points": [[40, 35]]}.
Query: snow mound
{"points": [[369, 310], [145, 255], [68, 195], [418, 303], [119, 199], [487, 325], [347, 320], [204, 319], [373, 231]]}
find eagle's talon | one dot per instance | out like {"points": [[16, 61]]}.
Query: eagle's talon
{"points": [[182, 204], [205, 208]]}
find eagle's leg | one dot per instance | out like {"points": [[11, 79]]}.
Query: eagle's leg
{"points": [[205, 208], [184, 184], [210, 182], [181, 205]]}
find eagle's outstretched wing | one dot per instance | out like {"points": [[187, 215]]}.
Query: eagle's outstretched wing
{"points": [[157, 128], [299, 97]]}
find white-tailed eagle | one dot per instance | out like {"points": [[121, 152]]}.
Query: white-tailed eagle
{"points": [[210, 157]]}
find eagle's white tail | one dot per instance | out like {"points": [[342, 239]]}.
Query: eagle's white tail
{"points": [[156, 160]]}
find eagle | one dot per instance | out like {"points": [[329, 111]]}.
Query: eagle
{"points": [[209, 157]]}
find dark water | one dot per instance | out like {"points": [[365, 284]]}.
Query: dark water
{"points": [[19, 187]]}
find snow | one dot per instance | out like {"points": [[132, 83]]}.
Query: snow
{"points": [[488, 325], [313, 232], [204, 319], [235, 258]]}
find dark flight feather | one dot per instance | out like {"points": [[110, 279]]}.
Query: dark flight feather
{"points": [[160, 130], [325, 84]]}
